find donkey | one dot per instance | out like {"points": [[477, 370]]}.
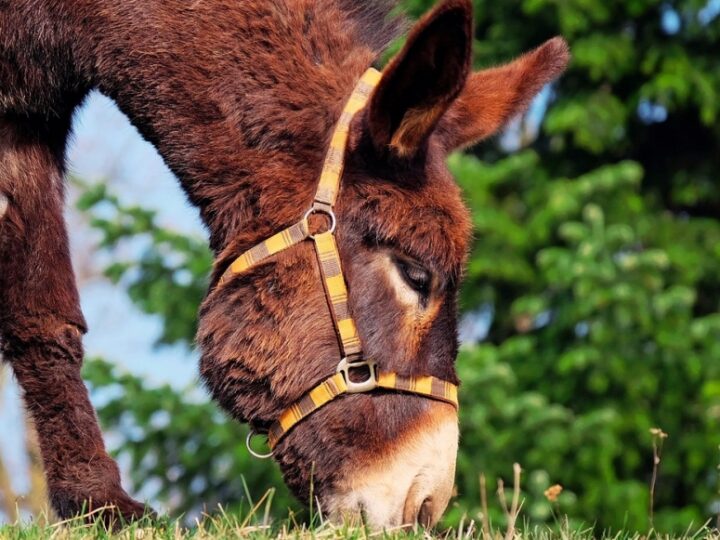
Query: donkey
{"points": [[241, 99]]}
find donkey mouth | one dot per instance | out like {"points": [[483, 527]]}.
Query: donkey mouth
{"points": [[409, 484]]}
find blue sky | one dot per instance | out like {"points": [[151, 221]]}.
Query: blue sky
{"points": [[107, 148]]}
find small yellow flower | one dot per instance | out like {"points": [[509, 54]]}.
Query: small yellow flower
{"points": [[553, 492], [657, 432]]}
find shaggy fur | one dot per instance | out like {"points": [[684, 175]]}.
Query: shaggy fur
{"points": [[240, 98]]}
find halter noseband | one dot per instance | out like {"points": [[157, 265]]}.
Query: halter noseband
{"points": [[352, 359]]}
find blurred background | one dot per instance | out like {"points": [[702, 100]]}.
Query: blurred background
{"points": [[591, 303]]}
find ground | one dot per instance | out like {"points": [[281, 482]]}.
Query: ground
{"points": [[255, 527]]}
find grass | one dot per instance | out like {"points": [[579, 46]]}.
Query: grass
{"points": [[228, 527], [257, 524], [255, 527]]}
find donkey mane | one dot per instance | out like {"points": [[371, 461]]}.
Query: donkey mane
{"points": [[300, 61], [377, 22], [303, 59], [277, 82]]}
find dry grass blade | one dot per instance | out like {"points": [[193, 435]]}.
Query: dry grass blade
{"points": [[516, 505], [658, 437], [484, 507]]}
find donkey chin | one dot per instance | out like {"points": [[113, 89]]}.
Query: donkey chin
{"points": [[410, 482]]}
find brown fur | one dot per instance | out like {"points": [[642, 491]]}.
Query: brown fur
{"points": [[403, 113], [240, 98], [493, 96]]}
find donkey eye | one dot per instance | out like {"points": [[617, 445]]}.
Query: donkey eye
{"points": [[415, 275]]}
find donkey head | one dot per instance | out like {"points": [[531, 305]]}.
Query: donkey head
{"points": [[267, 336]]}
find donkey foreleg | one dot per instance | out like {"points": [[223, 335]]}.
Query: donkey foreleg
{"points": [[41, 324]]}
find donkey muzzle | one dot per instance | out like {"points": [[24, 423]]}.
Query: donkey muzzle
{"points": [[411, 483]]}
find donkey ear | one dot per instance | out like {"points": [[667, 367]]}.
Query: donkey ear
{"points": [[493, 96], [423, 80]]}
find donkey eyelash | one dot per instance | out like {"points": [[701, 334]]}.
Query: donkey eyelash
{"points": [[398, 254], [415, 275]]}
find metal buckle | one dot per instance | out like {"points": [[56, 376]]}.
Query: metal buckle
{"points": [[258, 455], [327, 210], [369, 384]]}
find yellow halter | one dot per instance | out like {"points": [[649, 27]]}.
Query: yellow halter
{"points": [[335, 290]]}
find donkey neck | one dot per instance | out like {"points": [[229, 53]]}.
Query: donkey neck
{"points": [[239, 97]]}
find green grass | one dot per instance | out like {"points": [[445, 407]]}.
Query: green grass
{"points": [[257, 523], [224, 526]]}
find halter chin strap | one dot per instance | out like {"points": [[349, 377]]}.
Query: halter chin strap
{"points": [[366, 375]]}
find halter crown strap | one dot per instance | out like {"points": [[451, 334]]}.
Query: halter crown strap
{"points": [[335, 159], [336, 289], [328, 187]]}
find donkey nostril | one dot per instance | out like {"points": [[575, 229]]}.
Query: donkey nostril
{"points": [[415, 513], [425, 514]]}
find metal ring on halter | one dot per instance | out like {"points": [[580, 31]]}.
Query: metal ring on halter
{"points": [[314, 209], [253, 453]]}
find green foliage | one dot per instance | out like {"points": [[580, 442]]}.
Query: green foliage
{"points": [[597, 255], [181, 449], [596, 260], [169, 277]]}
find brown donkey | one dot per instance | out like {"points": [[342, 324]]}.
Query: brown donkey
{"points": [[241, 98]]}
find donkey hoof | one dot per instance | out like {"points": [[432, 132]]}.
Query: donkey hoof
{"points": [[126, 510], [114, 510]]}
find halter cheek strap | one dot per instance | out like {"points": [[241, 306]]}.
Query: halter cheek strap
{"points": [[354, 374]]}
